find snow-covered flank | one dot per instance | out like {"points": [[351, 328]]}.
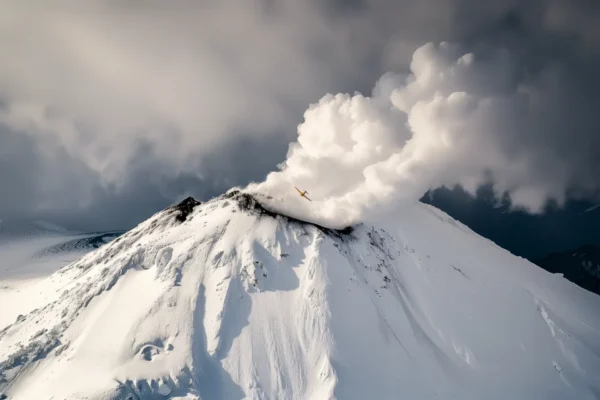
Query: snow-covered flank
{"points": [[225, 300], [81, 243]]}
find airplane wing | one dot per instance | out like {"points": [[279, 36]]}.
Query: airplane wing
{"points": [[306, 197], [299, 191]]}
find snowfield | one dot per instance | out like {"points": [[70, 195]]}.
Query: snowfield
{"points": [[225, 300]]}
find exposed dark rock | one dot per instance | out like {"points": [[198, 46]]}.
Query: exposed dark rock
{"points": [[184, 208], [248, 203]]}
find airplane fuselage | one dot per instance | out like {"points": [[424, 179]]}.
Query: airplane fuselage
{"points": [[303, 193]]}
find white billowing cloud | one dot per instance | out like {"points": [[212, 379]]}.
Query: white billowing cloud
{"points": [[454, 120]]}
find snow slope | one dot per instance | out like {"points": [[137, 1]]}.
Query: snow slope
{"points": [[225, 300]]}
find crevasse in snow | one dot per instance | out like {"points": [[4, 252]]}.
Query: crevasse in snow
{"points": [[225, 300]]}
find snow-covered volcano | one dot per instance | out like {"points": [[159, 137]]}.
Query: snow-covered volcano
{"points": [[225, 300]]}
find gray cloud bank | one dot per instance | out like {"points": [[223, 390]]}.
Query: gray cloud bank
{"points": [[112, 109]]}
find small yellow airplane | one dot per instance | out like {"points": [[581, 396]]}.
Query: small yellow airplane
{"points": [[303, 194]]}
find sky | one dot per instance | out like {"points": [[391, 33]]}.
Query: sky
{"points": [[111, 110]]}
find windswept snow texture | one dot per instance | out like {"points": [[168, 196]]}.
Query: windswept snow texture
{"points": [[234, 302]]}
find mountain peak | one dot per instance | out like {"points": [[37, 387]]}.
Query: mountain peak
{"points": [[226, 299], [184, 208]]}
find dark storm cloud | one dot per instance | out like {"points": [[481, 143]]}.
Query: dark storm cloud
{"points": [[111, 110], [49, 184]]}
